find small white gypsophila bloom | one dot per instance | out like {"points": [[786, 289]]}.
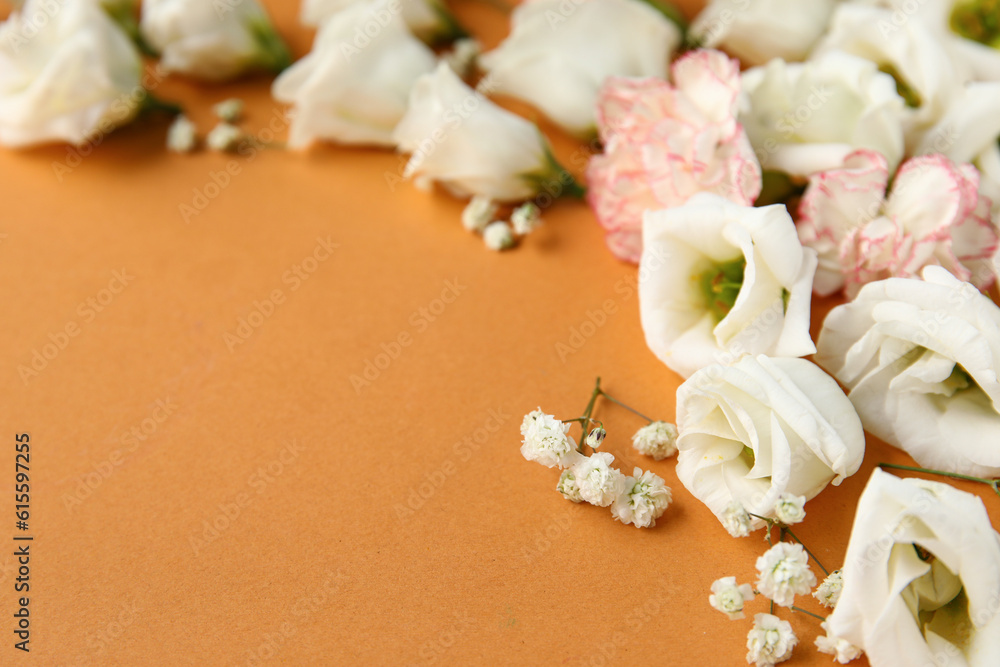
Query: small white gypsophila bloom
{"points": [[462, 57], [784, 573], [525, 218], [828, 592], [770, 641], [596, 437], [497, 236], [644, 499], [729, 598], [182, 135], [599, 483], [230, 110], [842, 650], [658, 440], [546, 441], [224, 138], [790, 508], [423, 183], [479, 212], [568, 486], [736, 521]]}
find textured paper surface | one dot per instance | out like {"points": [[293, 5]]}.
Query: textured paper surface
{"points": [[321, 565]]}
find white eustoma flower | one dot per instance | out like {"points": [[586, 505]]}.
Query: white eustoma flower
{"points": [[643, 500], [214, 41], [736, 520], [658, 440], [729, 598], [762, 427], [557, 58], [69, 78], [783, 572], [546, 440], [755, 31], [925, 77], [920, 361], [736, 281], [353, 95], [770, 641], [790, 509], [828, 592], [921, 577], [842, 650], [599, 483], [806, 117], [429, 20], [568, 486], [472, 146]]}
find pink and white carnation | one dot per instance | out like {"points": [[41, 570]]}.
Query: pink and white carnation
{"points": [[933, 215], [665, 142]]}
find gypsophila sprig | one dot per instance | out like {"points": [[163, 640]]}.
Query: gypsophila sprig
{"points": [[770, 641], [790, 508], [599, 483], [736, 520], [645, 499], [828, 592], [568, 487], [658, 440], [729, 598], [479, 212], [784, 573], [596, 437], [842, 650], [546, 441]]}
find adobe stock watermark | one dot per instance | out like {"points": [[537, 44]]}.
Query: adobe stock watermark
{"points": [[545, 538], [635, 620], [87, 311], [229, 511], [294, 277], [131, 440], [438, 646], [29, 25], [462, 451], [419, 321]]}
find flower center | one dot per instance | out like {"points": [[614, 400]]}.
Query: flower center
{"points": [[721, 284], [937, 598], [978, 20], [905, 90]]}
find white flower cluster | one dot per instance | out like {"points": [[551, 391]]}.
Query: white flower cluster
{"points": [[639, 499], [480, 216]]}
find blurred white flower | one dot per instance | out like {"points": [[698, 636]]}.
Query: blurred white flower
{"points": [[828, 592], [224, 137], [643, 500], [658, 439], [920, 360], [557, 60], [755, 31], [498, 236], [729, 598], [921, 577], [807, 117], [229, 110], [182, 136], [736, 281], [214, 41], [770, 641], [783, 572], [429, 20], [71, 78], [760, 428], [525, 218], [472, 146], [479, 212], [353, 95]]}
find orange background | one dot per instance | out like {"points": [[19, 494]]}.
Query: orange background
{"points": [[312, 559]]}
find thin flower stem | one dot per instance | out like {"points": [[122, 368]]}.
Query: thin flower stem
{"points": [[803, 611], [630, 409], [589, 411], [786, 529], [772, 608], [992, 483]]}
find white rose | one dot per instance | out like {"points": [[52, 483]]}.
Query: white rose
{"points": [[719, 280], [920, 361], [761, 428], [755, 31], [212, 40], [921, 577], [925, 76], [351, 95], [557, 58], [429, 20], [806, 117], [67, 77], [472, 146]]}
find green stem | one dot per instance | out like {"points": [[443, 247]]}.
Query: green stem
{"points": [[772, 608], [803, 611], [992, 483], [153, 103], [630, 409], [587, 413], [786, 529]]}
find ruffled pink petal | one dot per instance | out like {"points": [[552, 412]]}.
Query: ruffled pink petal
{"points": [[711, 80]]}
